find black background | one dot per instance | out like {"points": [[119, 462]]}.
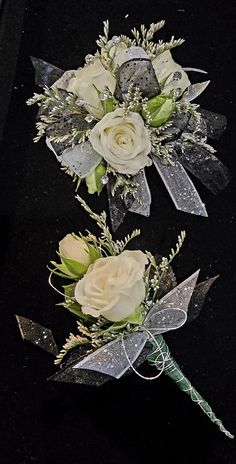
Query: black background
{"points": [[131, 421]]}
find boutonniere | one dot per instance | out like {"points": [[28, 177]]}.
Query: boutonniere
{"points": [[123, 301], [129, 107]]}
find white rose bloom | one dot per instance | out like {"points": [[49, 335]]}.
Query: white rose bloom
{"points": [[115, 50], [75, 248], [88, 82], [64, 80], [165, 66], [123, 142], [128, 53], [113, 287]]}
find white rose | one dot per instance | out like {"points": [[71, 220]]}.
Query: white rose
{"points": [[75, 248], [88, 82], [113, 287], [129, 53], [123, 142], [114, 50], [64, 80], [164, 67]]}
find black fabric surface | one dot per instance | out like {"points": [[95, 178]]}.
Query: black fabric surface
{"points": [[130, 421]]}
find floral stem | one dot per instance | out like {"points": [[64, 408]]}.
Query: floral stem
{"points": [[163, 360]]}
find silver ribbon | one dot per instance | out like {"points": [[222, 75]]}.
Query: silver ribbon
{"points": [[37, 334], [194, 90], [206, 167], [168, 314], [142, 205], [81, 159], [45, 73], [180, 187]]}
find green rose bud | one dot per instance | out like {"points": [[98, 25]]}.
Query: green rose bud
{"points": [[160, 108], [93, 181]]}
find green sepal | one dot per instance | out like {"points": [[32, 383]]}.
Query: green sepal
{"points": [[116, 326], [160, 108], [61, 270], [135, 318], [75, 308], [93, 181], [76, 268], [94, 253]]}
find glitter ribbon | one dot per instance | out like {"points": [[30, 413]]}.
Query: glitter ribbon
{"points": [[168, 314]]}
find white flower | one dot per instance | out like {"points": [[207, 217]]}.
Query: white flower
{"points": [[164, 67], [113, 287], [64, 80], [74, 248], [88, 82], [124, 54], [114, 50], [123, 142]]}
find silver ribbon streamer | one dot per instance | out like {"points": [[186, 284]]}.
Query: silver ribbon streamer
{"points": [[180, 188], [142, 205], [45, 73], [194, 90], [198, 298], [180, 296], [117, 207], [81, 159], [216, 123], [206, 167], [37, 334], [169, 314], [111, 359]]}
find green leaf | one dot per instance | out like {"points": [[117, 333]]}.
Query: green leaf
{"points": [[69, 290], [135, 318], [76, 268], [116, 326], [93, 181], [160, 108], [75, 308]]}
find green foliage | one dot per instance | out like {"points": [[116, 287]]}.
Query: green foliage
{"points": [[156, 272]]}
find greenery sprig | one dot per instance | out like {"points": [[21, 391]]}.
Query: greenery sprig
{"points": [[144, 36]]}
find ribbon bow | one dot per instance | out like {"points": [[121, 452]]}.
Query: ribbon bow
{"points": [[170, 313]]}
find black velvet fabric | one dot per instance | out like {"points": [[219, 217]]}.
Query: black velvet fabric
{"points": [[130, 421]]}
